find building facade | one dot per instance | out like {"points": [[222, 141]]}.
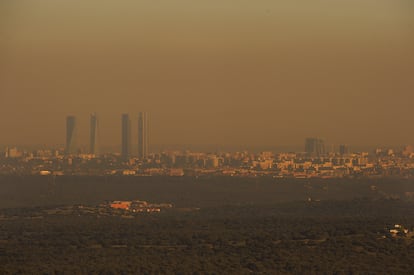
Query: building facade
{"points": [[71, 133], [315, 147], [125, 136], [93, 141], [143, 135], [343, 149]]}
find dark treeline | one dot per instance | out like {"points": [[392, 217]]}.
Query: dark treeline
{"points": [[16, 191], [244, 226]]}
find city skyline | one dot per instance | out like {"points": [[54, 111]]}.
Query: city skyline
{"points": [[312, 145]]}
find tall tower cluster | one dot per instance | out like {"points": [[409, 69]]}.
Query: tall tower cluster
{"points": [[143, 135], [126, 148]]}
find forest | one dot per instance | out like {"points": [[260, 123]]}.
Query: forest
{"points": [[227, 234], [332, 237]]}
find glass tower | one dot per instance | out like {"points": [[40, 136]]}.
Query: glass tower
{"points": [[126, 136], [143, 135], [93, 142], [70, 135]]}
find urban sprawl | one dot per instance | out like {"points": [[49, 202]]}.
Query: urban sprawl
{"points": [[313, 162]]}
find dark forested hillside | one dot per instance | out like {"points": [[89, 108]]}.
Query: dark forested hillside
{"points": [[235, 226], [333, 237], [16, 191]]}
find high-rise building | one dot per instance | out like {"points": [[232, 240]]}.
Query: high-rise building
{"points": [[143, 135], [315, 146], [71, 133], [343, 149], [126, 136], [93, 142]]}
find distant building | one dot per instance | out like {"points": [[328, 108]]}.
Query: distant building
{"points": [[315, 146], [343, 149], [125, 205], [125, 136], [13, 153], [176, 172], [71, 133], [93, 142], [143, 135]]}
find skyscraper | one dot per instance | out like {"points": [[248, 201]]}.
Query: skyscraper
{"points": [[343, 149], [143, 135], [314, 146], [93, 142], [71, 133], [126, 136]]}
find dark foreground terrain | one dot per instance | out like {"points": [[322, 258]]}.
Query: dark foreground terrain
{"points": [[24, 191], [250, 226]]}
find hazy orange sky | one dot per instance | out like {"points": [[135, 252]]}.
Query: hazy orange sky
{"points": [[261, 72]]}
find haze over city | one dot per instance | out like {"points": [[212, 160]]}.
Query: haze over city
{"points": [[213, 72], [206, 137]]}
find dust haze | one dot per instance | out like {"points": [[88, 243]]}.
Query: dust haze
{"points": [[211, 72]]}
